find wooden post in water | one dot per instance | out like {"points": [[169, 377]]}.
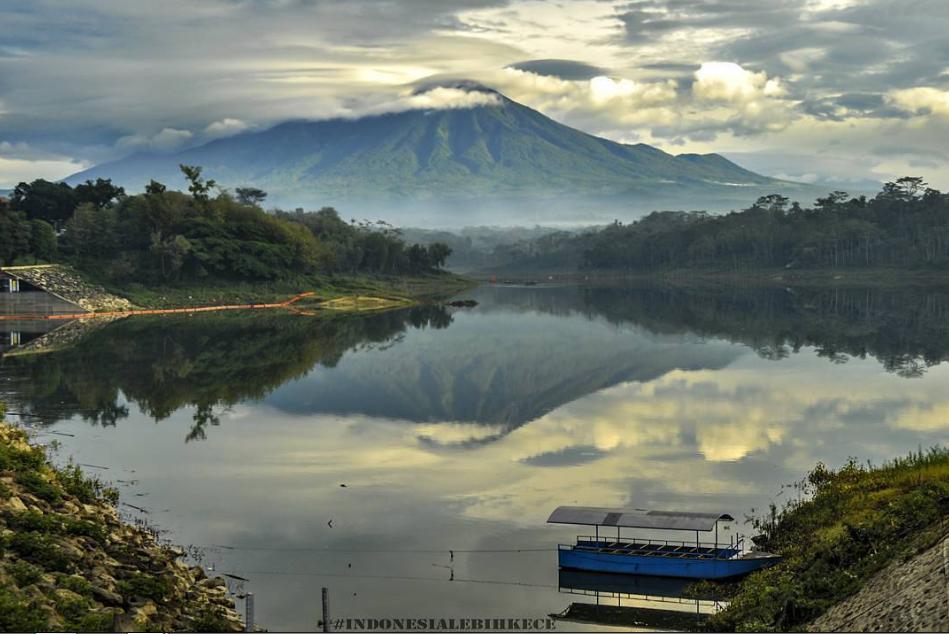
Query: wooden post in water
{"points": [[326, 610]]}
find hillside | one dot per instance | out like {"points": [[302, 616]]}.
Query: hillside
{"points": [[408, 166]]}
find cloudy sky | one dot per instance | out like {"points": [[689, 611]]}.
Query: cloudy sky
{"points": [[835, 91]]}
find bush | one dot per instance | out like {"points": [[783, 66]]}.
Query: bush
{"points": [[75, 583], [24, 574], [42, 550], [21, 459], [148, 586], [38, 486], [18, 614], [210, 621]]}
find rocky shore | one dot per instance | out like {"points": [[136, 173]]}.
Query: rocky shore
{"points": [[67, 562]]}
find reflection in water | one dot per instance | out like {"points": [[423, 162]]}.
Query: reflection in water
{"points": [[647, 603], [463, 438], [502, 369]]}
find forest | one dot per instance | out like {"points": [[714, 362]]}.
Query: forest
{"points": [[905, 225], [163, 236]]}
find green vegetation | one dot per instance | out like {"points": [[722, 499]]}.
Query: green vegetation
{"points": [[847, 525], [206, 236], [68, 564], [220, 291], [905, 226]]}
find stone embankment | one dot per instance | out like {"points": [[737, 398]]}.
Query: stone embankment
{"points": [[906, 596], [67, 561], [65, 283]]}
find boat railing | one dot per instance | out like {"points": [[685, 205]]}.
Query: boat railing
{"points": [[603, 539]]}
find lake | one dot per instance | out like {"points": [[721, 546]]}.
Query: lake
{"points": [[408, 460]]}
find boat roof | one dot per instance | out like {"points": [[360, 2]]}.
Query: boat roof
{"points": [[636, 518]]}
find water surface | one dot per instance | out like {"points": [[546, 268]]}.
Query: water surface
{"points": [[456, 432]]}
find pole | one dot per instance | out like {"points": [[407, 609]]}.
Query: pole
{"points": [[249, 612], [326, 610]]}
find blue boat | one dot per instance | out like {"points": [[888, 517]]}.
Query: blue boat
{"points": [[633, 555]]}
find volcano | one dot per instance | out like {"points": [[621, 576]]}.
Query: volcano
{"points": [[495, 161]]}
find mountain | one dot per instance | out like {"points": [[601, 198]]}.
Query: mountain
{"points": [[456, 166]]}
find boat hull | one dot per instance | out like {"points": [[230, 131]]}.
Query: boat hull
{"points": [[651, 565]]}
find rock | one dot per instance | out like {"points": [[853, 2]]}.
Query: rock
{"points": [[213, 582], [16, 504], [70, 550], [140, 615], [106, 596], [67, 596]]}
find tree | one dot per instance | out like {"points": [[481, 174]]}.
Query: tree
{"points": [[905, 189], [200, 189], [42, 240], [250, 196], [775, 203], [52, 202], [154, 188], [438, 253], [171, 252], [100, 193], [92, 232]]}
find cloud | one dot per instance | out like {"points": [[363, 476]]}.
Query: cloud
{"points": [[836, 63], [166, 139], [442, 98], [561, 68], [225, 127], [14, 171], [726, 81], [921, 100], [598, 101]]}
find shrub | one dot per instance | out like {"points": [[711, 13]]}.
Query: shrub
{"points": [[75, 583], [41, 549], [38, 486], [21, 459], [148, 586], [209, 620], [24, 574], [18, 614]]}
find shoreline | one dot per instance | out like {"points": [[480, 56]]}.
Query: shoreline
{"points": [[69, 562], [336, 293], [827, 278]]}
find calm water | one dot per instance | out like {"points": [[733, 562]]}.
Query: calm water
{"points": [[461, 430]]}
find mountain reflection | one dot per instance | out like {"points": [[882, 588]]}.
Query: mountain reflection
{"points": [[523, 353]]}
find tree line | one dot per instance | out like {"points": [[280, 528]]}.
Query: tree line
{"points": [[905, 225], [164, 235]]}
